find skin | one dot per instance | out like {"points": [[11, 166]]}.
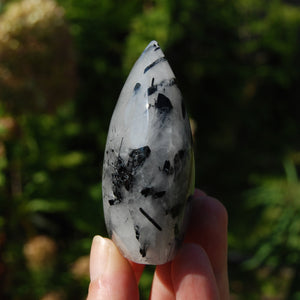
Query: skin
{"points": [[199, 271]]}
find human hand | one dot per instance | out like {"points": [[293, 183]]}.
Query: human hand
{"points": [[199, 271]]}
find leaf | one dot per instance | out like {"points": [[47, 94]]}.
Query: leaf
{"points": [[44, 205], [68, 160]]}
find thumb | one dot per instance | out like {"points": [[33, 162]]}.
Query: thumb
{"points": [[111, 274]]}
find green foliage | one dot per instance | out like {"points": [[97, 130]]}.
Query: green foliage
{"points": [[279, 228], [152, 24], [146, 282], [275, 237]]}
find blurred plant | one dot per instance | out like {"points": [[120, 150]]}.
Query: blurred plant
{"points": [[37, 75], [40, 252], [8, 128], [36, 57], [152, 24], [80, 268], [54, 295], [269, 32], [237, 63], [3, 164], [277, 227]]}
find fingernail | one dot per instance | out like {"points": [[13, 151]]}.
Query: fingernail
{"points": [[111, 274], [99, 257]]}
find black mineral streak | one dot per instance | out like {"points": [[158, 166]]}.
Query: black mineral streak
{"points": [[150, 191], [163, 103], [147, 191], [161, 59], [143, 251], [167, 168], [122, 177], [178, 163], [162, 85], [157, 47], [172, 82], [137, 87], [124, 173], [114, 201], [167, 83], [137, 232], [116, 190], [150, 219], [137, 157], [152, 89]]}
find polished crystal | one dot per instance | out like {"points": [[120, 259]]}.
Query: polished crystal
{"points": [[148, 169]]}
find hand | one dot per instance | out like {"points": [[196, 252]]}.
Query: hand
{"points": [[199, 271]]}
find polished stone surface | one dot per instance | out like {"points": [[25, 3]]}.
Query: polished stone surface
{"points": [[148, 170]]}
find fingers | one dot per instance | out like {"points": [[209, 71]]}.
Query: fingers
{"points": [[111, 274], [188, 276], [162, 285], [192, 275], [137, 269], [208, 228], [192, 272]]}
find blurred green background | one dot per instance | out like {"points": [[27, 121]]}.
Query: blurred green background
{"points": [[62, 66]]}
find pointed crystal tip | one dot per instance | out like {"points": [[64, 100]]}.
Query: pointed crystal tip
{"points": [[153, 44]]}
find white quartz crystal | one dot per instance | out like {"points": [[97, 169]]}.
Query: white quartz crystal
{"points": [[148, 170]]}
